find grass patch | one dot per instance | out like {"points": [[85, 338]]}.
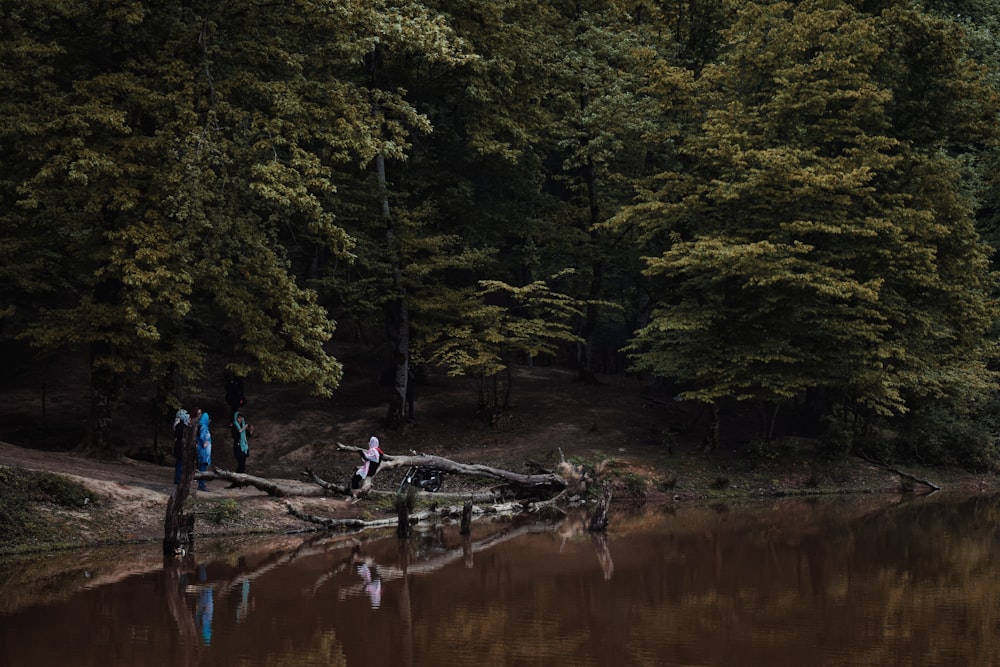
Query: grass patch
{"points": [[634, 485], [720, 484], [23, 491], [223, 511]]}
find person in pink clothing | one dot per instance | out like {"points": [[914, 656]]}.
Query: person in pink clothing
{"points": [[370, 460]]}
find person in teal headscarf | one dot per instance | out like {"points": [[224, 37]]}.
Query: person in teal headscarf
{"points": [[241, 449], [204, 448]]}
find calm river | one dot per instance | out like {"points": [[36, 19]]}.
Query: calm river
{"points": [[870, 580]]}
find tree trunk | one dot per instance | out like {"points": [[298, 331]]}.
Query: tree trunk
{"points": [[399, 315], [585, 361], [712, 437], [98, 439], [599, 522], [466, 525], [178, 526], [402, 520]]}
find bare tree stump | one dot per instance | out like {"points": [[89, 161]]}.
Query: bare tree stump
{"points": [[402, 520], [466, 526], [599, 522]]}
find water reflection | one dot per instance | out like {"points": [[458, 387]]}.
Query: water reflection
{"points": [[244, 608], [206, 607], [371, 579], [858, 581]]}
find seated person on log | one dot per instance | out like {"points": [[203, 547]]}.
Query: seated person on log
{"points": [[371, 458]]}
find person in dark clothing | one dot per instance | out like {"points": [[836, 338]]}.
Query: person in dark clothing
{"points": [[181, 421], [241, 430]]}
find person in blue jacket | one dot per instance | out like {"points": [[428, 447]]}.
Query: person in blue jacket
{"points": [[203, 440]]}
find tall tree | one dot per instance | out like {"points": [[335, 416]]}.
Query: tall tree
{"points": [[163, 160], [817, 237]]}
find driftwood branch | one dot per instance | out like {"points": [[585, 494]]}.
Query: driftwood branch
{"points": [[325, 485], [441, 512], [933, 487], [356, 524]]}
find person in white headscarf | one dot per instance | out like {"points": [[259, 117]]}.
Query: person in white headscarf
{"points": [[370, 460], [181, 421]]}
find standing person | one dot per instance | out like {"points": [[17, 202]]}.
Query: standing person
{"points": [[371, 458], [241, 430], [204, 447], [181, 421]]}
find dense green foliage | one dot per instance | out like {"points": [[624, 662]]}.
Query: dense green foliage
{"points": [[775, 203]]}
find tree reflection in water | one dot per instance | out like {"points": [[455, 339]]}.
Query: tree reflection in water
{"points": [[849, 581]]}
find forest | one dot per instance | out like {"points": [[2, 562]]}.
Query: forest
{"points": [[791, 206]]}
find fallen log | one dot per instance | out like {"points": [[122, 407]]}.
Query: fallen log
{"points": [[268, 486], [341, 489], [488, 496], [545, 482]]}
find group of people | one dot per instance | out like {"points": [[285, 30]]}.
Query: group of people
{"points": [[241, 431], [239, 428], [203, 442]]}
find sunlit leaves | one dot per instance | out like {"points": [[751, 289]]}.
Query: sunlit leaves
{"points": [[501, 321]]}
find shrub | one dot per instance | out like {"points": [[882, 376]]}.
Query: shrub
{"points": [[223, 511]]}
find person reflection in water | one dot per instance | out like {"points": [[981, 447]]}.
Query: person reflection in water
{"points": [[205, 609], [373, 584], [244, 608]]}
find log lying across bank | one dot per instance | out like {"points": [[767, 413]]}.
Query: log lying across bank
{"points": [[543, 484], [546, 482], [268, 486]]}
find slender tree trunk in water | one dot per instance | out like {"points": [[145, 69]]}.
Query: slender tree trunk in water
{"points": [[399, 316], [404, 630], [178, 525]]}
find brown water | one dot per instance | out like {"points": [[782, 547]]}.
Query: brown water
{"points": [[859, 581]]}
